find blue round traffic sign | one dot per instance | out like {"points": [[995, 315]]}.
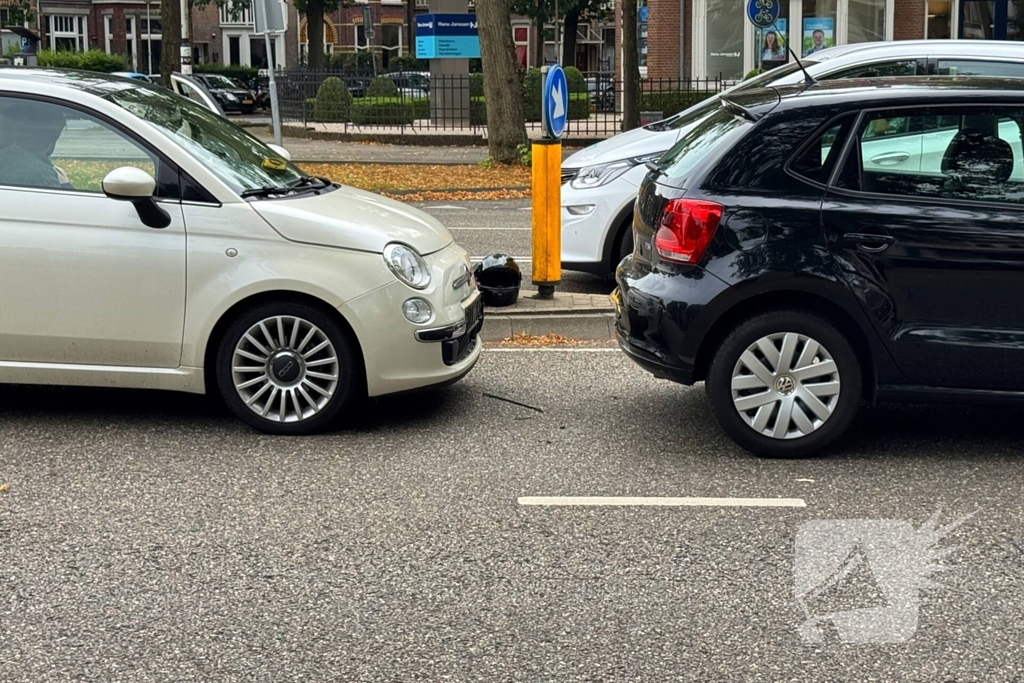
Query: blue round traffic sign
{"points": [[763, 13], [555, 103]]}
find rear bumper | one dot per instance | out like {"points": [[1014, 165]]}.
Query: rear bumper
{"points": [[662, 318]]}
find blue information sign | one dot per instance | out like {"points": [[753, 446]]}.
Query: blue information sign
{"points": [[447, 36], [555, 112], [763, 13]]}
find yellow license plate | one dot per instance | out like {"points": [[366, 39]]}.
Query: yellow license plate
{"points": [[246, 101]]}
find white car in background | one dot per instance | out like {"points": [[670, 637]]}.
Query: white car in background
{"points": [[600, 183], [149, 243]]}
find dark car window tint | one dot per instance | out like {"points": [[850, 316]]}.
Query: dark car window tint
{"points": [[715, 130], [819, 158], [977, 158], [907, 67], [966, 67]]}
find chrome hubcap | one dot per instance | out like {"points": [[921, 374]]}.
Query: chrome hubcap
{"points": [[785, 385], [285, 369]]}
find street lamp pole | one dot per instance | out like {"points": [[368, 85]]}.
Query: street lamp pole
{"points": [[149, 37]]}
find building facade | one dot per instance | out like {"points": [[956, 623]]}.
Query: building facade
{"points": [[713, 39]]}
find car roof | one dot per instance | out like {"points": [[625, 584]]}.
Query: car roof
{"points": [[881, 91], [916, 48]]}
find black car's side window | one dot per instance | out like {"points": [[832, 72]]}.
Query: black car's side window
{"points": [[964, 153], [816, 161]]}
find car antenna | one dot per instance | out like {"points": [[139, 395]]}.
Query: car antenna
{"points": [[808, 78]]}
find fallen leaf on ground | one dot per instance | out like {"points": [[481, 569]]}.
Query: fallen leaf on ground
{"points": [[403, 177], [458, 196], [530, 340], [3, 487]]}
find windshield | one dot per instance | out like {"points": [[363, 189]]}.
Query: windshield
{"points": [[689, 116], [718, 127], [219, 82], [238, 158]]}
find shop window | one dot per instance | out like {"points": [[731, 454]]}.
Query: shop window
{"points": [[819, 26], [866, 21], [725, 22]]}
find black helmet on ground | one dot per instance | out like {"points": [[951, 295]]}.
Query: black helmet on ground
{"points": [[498, 278]]}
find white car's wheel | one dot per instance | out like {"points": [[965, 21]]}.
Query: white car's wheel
{"points": [[286, 368]]}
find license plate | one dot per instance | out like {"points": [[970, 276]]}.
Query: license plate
{"points": [[246, 101], [474, 313]]}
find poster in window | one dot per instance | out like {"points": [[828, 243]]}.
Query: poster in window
{"points": [[772, 43], [819, 34]]}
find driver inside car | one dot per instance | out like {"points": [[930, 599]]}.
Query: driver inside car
{"points": [[28, 135]]}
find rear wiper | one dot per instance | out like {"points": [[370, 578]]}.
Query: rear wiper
{"points": [[740, 110]]}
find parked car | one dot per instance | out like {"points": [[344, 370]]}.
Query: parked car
{"points": [[134, 75], [231, 96], [411, 83], [292, 296], [802, 249], [600, 182]]}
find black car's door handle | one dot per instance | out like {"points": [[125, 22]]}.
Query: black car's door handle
{"points": [[870, 241]]}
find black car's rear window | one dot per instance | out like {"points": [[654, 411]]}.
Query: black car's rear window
{"points": [[718, 130]]}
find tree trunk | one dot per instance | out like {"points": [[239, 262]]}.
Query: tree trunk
{"points": [[538, 40], [410, 20], [569, 29], [630, 67], [170, 48], [315, 35], [506, 126]]}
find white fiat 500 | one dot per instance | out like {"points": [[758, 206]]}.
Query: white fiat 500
{"points": [[147, 242]]}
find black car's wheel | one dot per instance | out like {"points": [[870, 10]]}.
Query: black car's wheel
{"points": [[785, 384], [287, 368]]}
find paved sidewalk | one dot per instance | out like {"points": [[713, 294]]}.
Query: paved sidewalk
{"points": [[576, 316], [331, 151]]}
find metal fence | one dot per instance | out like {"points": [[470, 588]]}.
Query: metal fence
{"points": [[419, 103]]}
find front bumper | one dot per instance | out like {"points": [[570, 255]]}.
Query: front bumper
{"points": [[662, 317], [400, 356], [585, 236]]}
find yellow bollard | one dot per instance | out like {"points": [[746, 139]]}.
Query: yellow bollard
{"points": [[546, 189]]}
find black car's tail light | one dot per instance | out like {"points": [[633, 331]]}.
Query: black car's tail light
{"points": [[686, 229]]}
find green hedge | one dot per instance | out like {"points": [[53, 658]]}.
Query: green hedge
{"points": [[671, 102], [574, 78], [93, 60], [382, 86], [333, 102], [420, 107], [383, 111], [478, 111], [476, 85]]}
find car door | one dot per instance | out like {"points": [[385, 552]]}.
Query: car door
{"points": [[195, 91], [84, 281], [936, 258]]}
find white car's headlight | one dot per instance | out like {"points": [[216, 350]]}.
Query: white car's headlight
{"points": [[407, 265], [230, 97], [602, 174]]}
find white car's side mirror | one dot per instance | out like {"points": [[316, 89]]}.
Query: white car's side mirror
{"points": [[128, 183], [131, 184], [280, 151]]}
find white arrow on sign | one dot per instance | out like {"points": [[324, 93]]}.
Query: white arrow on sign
{"points": [[556, 95]]}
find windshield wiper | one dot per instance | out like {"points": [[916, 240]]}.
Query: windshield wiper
{"points": [[308, 180], [267, 191]]}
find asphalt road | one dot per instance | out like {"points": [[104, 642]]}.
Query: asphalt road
{"points": [[150, 537], [485, 228]]}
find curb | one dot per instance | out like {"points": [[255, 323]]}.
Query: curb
{"points": [[561, 317]]}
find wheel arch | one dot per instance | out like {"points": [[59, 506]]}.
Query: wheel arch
{"points": [[623, 221], [212, 342], [791, 299]]}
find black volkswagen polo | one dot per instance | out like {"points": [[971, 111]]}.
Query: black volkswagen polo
{"points": [[803, 249]]}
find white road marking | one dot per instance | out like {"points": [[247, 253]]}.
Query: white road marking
{"points": [[459, 227], [525, 208], [623, 501], [448, 207]]}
